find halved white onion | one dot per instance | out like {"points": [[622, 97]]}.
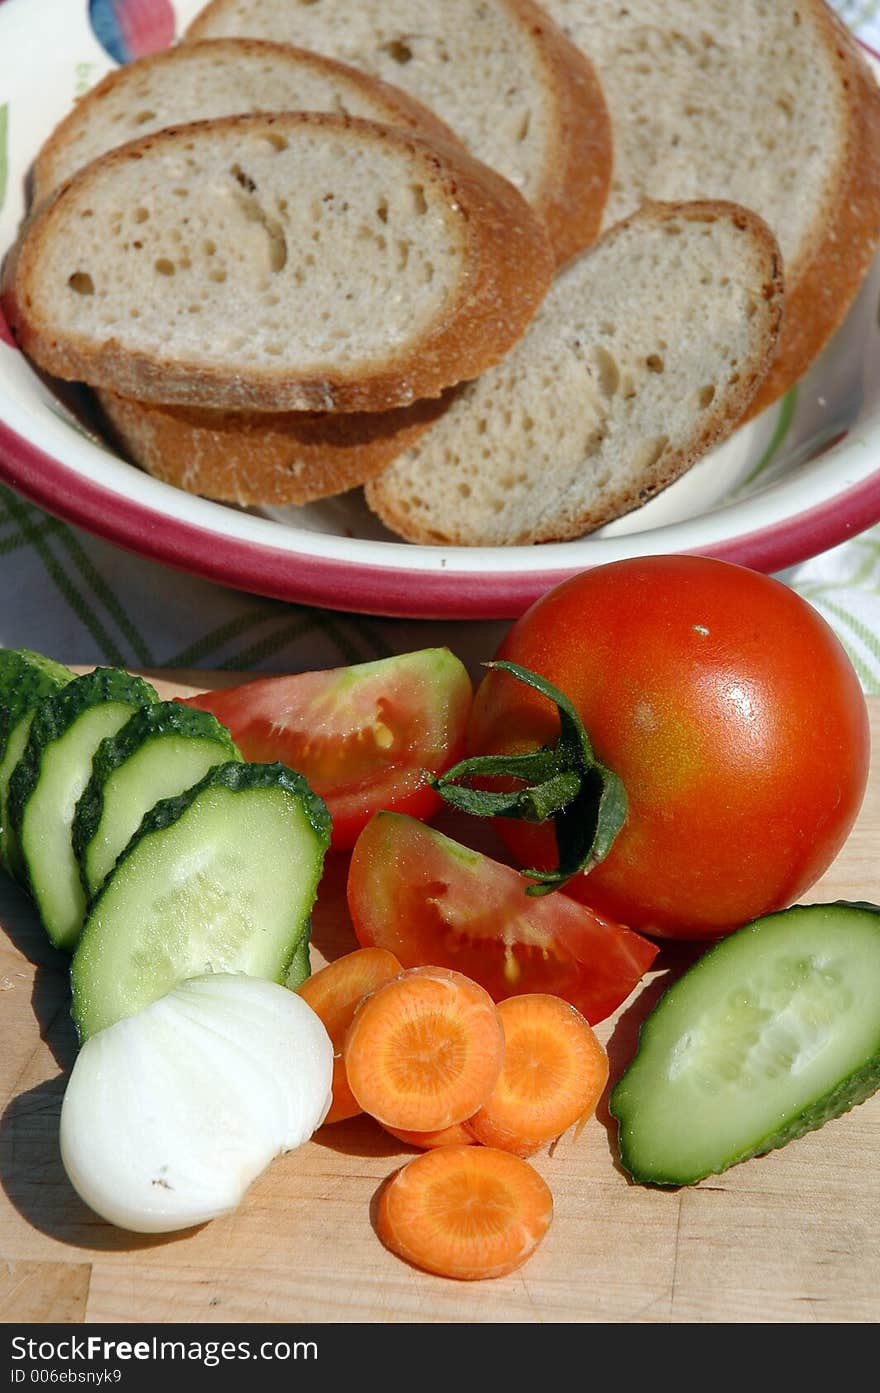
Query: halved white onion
{"points": [[171, 1113]]}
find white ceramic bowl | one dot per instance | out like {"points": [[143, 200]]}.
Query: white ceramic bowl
{"points": [[798, 480]]}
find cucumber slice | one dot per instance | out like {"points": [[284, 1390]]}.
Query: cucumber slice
{"points": [[25, 678], [47, 782], [163, 750], [221, 879], [772, 1033], [301, 962]]}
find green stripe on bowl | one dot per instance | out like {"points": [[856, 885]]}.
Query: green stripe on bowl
{"points": [[787, 408]]}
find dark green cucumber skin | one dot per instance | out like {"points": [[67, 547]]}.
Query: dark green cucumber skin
{"points": [[53, 717], [25, 679], [237, 777], [300, 964], [150, 722], [856, 1088]]}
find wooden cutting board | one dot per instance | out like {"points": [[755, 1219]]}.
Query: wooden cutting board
{"points": [[792, 1236]]}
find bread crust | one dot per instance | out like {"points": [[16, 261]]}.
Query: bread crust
{"points": [[574, 186], [572, 194], [553, 522], [263, 459], [401, 109], [835, 245], [507, 265], [822, 284]]}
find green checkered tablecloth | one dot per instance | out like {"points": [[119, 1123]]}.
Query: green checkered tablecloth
{"points": [[82, 600]]}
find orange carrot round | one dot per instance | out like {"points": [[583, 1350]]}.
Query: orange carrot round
{"points": [[554, 1072], [465, 1211], [457, 1135], [334, 993], [425, 1050]]}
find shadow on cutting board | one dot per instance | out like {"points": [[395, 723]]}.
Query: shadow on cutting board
{"points": [[31, 1172], [673, 959]]}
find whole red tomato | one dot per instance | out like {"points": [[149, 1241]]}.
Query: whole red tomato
{"points": [[730, 711]]}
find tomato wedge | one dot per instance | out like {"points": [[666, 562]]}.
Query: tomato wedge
{"points": [[429, 900], [365, 737]]}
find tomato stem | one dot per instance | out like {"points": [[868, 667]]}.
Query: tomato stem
{"points": [[563, 783]]}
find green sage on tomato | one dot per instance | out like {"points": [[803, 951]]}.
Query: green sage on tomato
{"points": [[731, 714]]}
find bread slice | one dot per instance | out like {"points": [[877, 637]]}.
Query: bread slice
{"points": [[769, 104], [221, 77], [646, 351], [261, 458], [287, 262], [499, 72], [241, 458]]}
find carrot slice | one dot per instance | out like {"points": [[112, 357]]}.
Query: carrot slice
{"points": [[424, 1051], [554, 1072], [465, 1211], [334, 993], [458, 1135]]}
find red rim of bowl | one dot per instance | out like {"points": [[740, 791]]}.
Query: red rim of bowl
{"points": [[361, 588], [368, 589]]}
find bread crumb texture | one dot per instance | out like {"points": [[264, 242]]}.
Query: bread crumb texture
{"points": [[769, 103], [644, 352], [285, 262], [473, 62], [685, 81], [199, 82], [227, 218]]}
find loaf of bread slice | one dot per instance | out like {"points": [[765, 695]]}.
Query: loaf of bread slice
{"points": [[287, 262], [769, 103], [263, 458], [646, 351], [242, 458], [221, 77], [499, 72]]}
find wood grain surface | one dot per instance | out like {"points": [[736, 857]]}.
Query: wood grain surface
{"points": [[791, 1237]]}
